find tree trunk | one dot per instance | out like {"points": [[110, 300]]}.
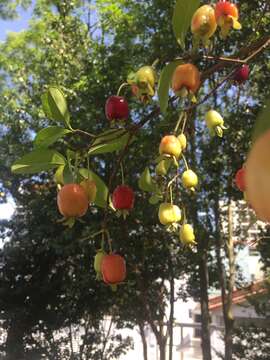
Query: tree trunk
{"points": [[144, 342], [14, 342], [162, 347], [171, 318], [231, 282], [206, 336]]}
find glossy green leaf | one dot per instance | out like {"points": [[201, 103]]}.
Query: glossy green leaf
{"points": [[182, 15], [55, 106], [165, 83], [38, 160], [110, 141], [263, 121], [102, 189], [146, 182], [50, 135]]}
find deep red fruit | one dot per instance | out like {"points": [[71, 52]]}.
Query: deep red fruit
{"points": [[241, 75], [116, 108], [113, 269], [240, 179], [123, 198]]}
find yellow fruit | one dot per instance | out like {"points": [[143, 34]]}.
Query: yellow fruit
{"points": [[183, 141], [186, 234], [169, 214], [203, 23], [170, 145], [215, 122], [90, 188], [189, 179]]}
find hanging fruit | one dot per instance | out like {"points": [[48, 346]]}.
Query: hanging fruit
{"points": [[186, 80], [186, 235], [113, 269], [97, 263], [241, 75], [116, 108], [215, 123], [123, 199], [203, 24], [189, 180], [169, 214], [143, 83], [227, 17], [170, 145], [72, 201]]}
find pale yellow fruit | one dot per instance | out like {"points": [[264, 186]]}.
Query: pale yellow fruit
{"points": [[169, 214], [186, 234], [189, 179]]}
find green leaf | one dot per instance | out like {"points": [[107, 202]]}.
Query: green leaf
{"points": [[55, 106], [155, 199], [165, 83], [263, 122], [102, 190], [110, 141], [182, 15], [145, 181], [50, 135], [38, 160]]}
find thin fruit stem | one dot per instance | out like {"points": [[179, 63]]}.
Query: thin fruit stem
{"points": [[155, 63], [184, 216], [184, 123], [75, 174], [185, 161], [121, 87], [171, 195], [122, 173], [180, 119], [88, 167]]}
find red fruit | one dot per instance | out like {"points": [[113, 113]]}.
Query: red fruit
{"points": [[241, 75], [225, 8], [113, 269], [240, 179], [123, 198], [116, 108], [72, 201]]}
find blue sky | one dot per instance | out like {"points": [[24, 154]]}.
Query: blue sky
{"points": [[15, 25]]}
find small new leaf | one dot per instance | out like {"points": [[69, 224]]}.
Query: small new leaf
{"points": [[145, 182]]}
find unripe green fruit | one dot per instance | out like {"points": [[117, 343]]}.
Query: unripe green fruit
{"points": [[169, 214], [186, 234], [213, 119], [98, 260], [163, 167], [183, 140], [189, 179]]}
